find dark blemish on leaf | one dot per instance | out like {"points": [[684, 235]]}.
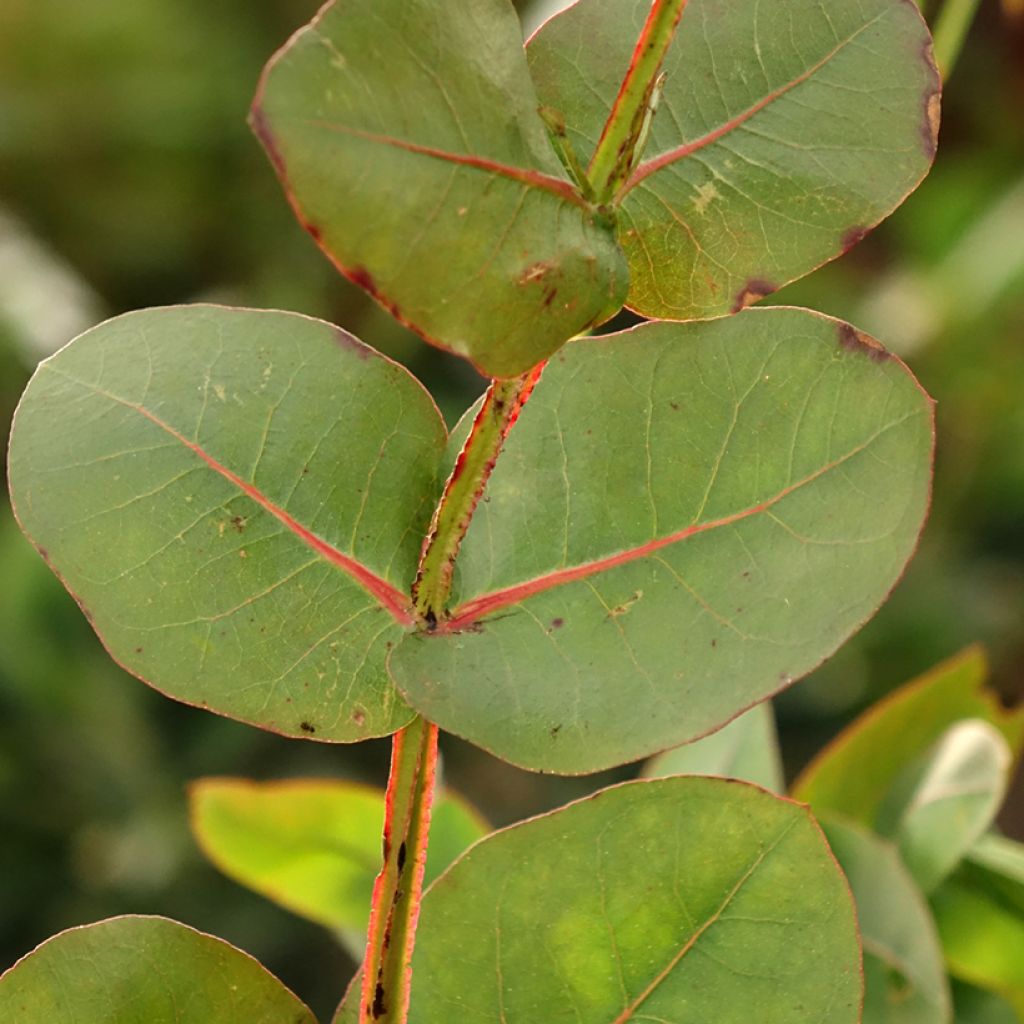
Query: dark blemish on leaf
{"points": [[856, 341], [44, 553], [347, 341], [745, 574], [549, 297], [259, 125], [431, 620], [557, 623], [385, 848], [626, 605], [307, 727], [714, 643], [930, 123], [315, 232], [401, 857], [853, 237], [754, 291], [138, 650], [359, 717], [238, 522], [675, 406], [378, 1009], [555, 731]]}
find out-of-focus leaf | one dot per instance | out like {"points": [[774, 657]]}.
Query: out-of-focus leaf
{"points": [[143, 970], [855, 772], [407, 136], [905, 982], [943, 803], [237, 499], [747, 748], [976, 1006], [628, 584], [609, 910], [779, 140], [314, 845]]}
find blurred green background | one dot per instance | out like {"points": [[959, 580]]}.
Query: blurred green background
{"points": [[128, 178]]}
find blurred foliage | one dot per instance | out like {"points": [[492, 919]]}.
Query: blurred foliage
{"points": [[128, 178]]}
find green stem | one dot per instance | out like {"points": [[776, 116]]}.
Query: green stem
{"points": [[462, 492], [950, 32], [387, 968], [616, 150]]}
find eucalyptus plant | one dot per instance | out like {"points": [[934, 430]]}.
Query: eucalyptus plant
{"points": [[628, 542]]}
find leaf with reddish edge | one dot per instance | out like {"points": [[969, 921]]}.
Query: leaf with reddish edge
{"points": [[854, 773], [904, 978], [628, 582], [237, 499], [144, 970], [624, 917], [783, 134], [313, 845], [407, 137]]}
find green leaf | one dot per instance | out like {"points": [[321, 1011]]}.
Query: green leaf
{"points": [[782, 136], [747, 748], [144, 970], [314, 845], [982, 933], [1002, 862], [407, 136], [943, 803], [856, 771], [609, 910], [629, 582], [905, 982], [976, 1006], [237, 500]]}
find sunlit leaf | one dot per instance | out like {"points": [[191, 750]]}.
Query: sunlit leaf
{"points": [[407, 135], [905, 982], [685, 519], [856, 771], [314, 845], [747, 748], [143, 970], [783, 134], [237, 500]]}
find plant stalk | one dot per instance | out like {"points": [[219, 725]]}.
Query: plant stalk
{"points": [[387, 967], [617, 149], [501, 406], [951, 27]]}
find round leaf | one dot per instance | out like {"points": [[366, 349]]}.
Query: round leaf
{"points": [[783, 134], [685, 519], [237, 500], [407, 135], [144, 970]]}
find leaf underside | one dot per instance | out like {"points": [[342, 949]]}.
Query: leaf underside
{"points": [[144, 970], [407, 136], [783, 134], [686, 519], [625, 918], [237, 500]]}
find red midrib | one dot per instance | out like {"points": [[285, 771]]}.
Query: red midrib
{"points": [[535, 179], [389, 597], [472, 610], [648, 168]]}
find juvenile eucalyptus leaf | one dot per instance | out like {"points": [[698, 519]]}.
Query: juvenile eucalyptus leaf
{"points": [[856, 771], [407, 136], [237, 501], [629, 582], [784, 133], [143, 970], [747, 748], [904, 978], [611, 910], [314, 845], [942, 805]]}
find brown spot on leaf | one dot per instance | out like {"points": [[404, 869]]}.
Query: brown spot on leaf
{"points": [[401, 857], [754, 291], [307, 727], [626, 605], [378, 1009], [314, 230], [350, 342], [557, 623], [359, 717], [853, 237], [555, 731], [857, 341], [261, 128], [930, 123], [238, 522], [535, 272]]}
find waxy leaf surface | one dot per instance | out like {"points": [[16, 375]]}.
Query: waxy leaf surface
{"points": [[144, 970], [943, 804], [407, 135], [747, 748], [856, 771], [784, 132], [237, 500], [314, 845], [904, 977], [610, 910], [685, 519]]}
